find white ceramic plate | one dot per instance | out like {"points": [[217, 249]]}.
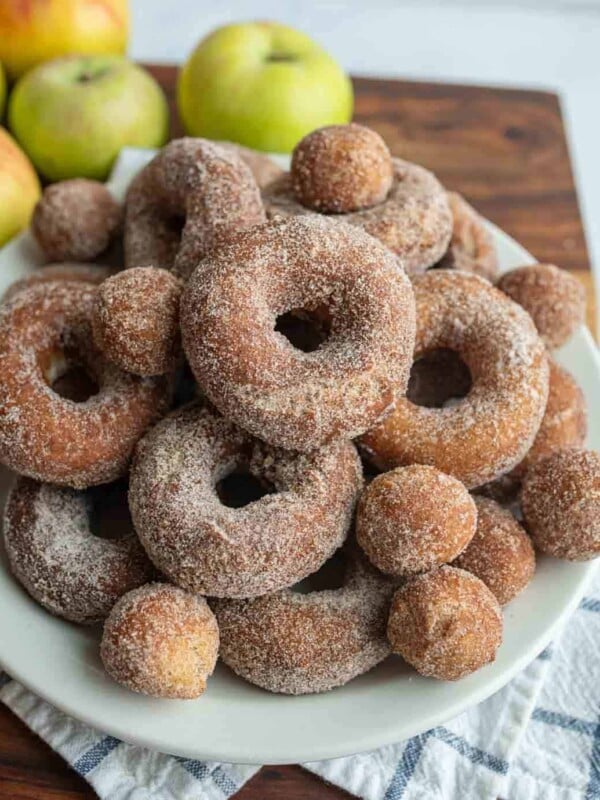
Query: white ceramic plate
{"points": [[235, 721]]}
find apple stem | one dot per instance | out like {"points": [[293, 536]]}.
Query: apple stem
{"points": [[278, 57]]}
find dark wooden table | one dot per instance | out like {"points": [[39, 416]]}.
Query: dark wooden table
{"points": [[506, 151]]}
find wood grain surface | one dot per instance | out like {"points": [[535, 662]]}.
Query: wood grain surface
{"points": [[505, 150]]}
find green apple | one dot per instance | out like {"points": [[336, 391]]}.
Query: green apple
{"points": [[19, 188], [73, 115], [263, 85], [2, 90]]}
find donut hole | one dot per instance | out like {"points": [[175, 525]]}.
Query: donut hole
{"points": [[239, 488], [438, 379], [305, 329], [70, 379], [108, 510], [331, 576]]}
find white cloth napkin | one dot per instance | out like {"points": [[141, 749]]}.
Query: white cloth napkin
{"points": [[536, 739]]}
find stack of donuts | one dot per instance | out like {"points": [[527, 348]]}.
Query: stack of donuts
{"points": [[321, 434]]}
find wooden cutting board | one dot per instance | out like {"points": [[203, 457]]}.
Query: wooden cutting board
{"points": [[506, 151]]}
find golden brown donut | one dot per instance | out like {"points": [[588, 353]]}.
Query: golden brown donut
{"points": [[471, 247], [564, 423], [161, 641], [413, 519], [561, 504], [136, 320], [44, 331], [192, 195], [500, 554], [445, 623], [55, 555], [414, 220], [490, 430], [341, 168], [263, 168], [88, 273], [197, 536], [295, 643], [254, 375], [75, 220], [554, 299]]}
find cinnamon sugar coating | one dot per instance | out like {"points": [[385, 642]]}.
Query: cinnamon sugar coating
{"points": [[414, 221], [136, 320], [554, 299], [413, 519], [471, 247], [211, 548], [341, 168], [500, 554], [295, 643], [253, 374], [75, 220], [44, 330], [561, 504], [263, 168], [191, 196], [488, 432], [161, 641], [63, 566], [564, 423], [445, 623], [88, 273]]}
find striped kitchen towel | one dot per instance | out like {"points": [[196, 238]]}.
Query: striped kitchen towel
{"points": [[536, 739]]}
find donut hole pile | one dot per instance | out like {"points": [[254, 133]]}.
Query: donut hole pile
{"points": [[301, 430]]}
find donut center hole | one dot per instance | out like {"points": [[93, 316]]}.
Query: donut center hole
{"points": [[240, 487], [109, 516], [438, 379], [303, 329], [330, 576], [70, 379]]}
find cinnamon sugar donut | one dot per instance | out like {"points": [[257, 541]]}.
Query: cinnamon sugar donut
{"points": [[254, 375], [160, 641], [75, 220], [564, 423], [45, 330], [62, 564], [489, 431], [341, 168], [263, 168], [561, 504], [296, 643], [445, 623], [136, 320], [194, 533], [191, 195], [414, 220], [88, 273], [554, 299], [500, 554], [414, 519], [471, 247]]}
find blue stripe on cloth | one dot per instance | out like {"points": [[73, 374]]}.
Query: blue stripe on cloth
{"points": [[95, 755], [564, 721], [547, 653], [474, 754], [406, 766], [4, 679], [197, 769], [201, 771], [593, 787], [590, 604], [224, 782]]}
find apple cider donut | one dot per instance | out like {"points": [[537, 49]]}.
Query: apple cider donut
{"points": [[252, 373], [413, 219], [54, 554], [160, 641], [193, 183], [295, 643], [75, 220], [88, 273], [44, 331], [195, 534], [489, 431], [472, 245], [136, 320]]}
